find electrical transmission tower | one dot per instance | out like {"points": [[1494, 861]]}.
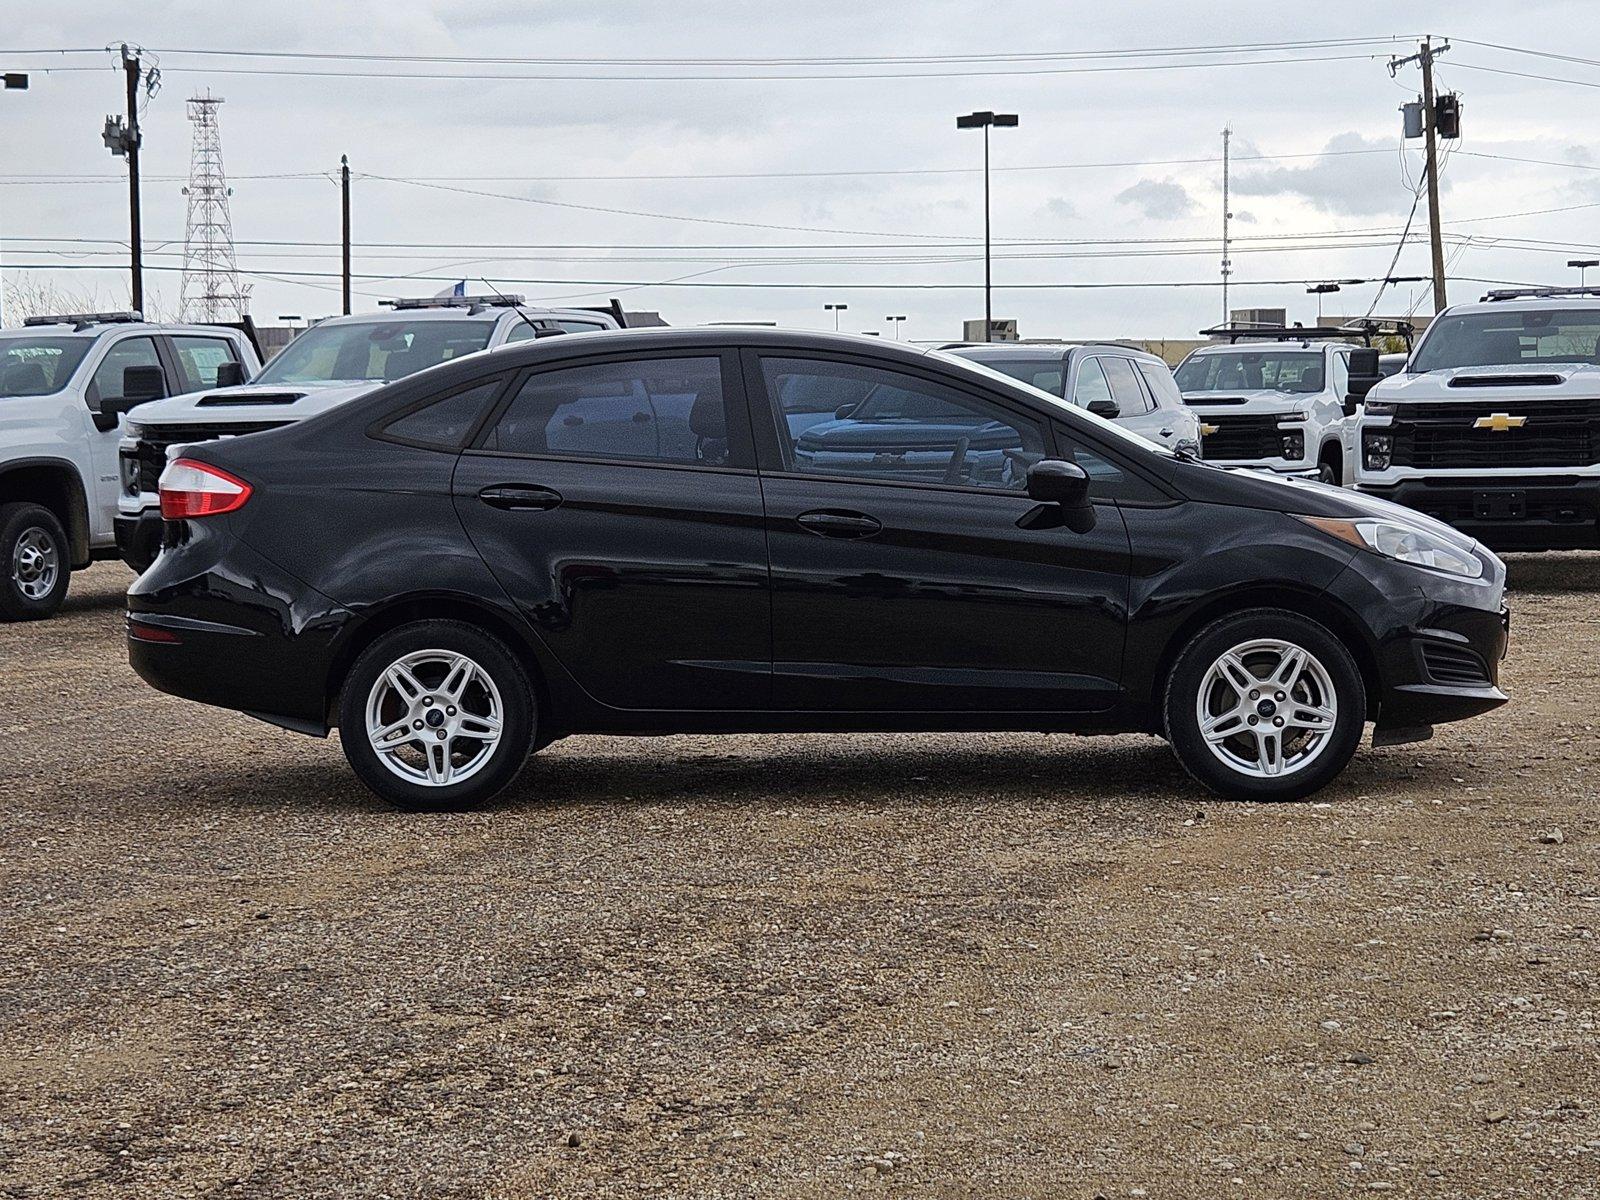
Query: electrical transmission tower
{"points": [[211, 288]]}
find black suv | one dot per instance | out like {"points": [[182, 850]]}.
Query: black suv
{"points": [[636, 534]]}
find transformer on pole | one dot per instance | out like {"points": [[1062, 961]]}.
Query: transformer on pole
{"points": [[211, 288]]}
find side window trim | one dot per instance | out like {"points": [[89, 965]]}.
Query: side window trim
{"points": [[765, 416], [741, 453]]}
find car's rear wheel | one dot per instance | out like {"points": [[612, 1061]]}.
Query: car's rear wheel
{"points": [[437, 715], [1264, 705], [35, 562]]}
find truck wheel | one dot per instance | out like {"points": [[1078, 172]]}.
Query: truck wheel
{"points": [[1331, 469], [35, 560]]}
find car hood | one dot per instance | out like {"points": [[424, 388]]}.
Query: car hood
{"points": [[1307, 497], [1248, 403], [251, 402], [1516, 381]]}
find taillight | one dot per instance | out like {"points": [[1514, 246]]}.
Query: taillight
{"points": [[192, 489]]}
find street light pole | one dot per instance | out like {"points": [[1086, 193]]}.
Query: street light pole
{"points": [[835, 309], [1583, 265], [985, 120], [896, 322]]}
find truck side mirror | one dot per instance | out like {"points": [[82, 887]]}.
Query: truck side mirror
{"points": [[230, 374], [1109, 409], [1364, 376], [142, 383]]}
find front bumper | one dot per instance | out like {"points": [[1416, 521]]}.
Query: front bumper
{"points": [[1513, 512], [1437, 643], [138, 538]]}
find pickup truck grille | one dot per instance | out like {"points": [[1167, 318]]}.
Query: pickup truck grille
{"points": [[142, 466], [1243, 437], [1554, 433]]}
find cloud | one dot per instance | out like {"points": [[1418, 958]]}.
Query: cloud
{"points": [[1056, 206], [1159, 199], [1353, 175]]}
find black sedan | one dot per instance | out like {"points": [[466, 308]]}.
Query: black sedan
{"points": [[635, 534]]}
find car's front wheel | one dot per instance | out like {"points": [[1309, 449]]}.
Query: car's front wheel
{"points": [[35, 562], [1264, 705], [436, 715]]}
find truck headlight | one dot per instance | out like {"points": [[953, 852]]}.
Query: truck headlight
{"points": [[1376, 450], [1403, 543]]}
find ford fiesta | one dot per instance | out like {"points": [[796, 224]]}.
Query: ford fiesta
{"points": [[638, 534]]}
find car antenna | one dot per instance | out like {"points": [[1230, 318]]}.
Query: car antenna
{"points": [[526, 319]]}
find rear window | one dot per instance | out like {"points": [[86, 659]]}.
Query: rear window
{"points": [[1504, 339], [443, 424], [1046, 374]]}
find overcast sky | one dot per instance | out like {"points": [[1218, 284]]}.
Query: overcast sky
{"points": [[872, 233]]}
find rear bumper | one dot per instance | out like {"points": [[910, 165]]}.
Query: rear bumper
{"points": [[1539, 512], [234, 631]]}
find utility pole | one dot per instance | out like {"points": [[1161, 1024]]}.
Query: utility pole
{"points": [[130, 67], [1424, 57], [344, 209], [19, 81], [1227, 218]]}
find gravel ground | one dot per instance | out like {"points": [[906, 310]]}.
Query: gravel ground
{"points": [[942, 965]]}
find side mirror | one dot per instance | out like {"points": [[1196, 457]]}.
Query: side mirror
{"points": [[1364, 376], [842, 413], [1064, 485], [231, 374], [1109, 409], [142, 383]]}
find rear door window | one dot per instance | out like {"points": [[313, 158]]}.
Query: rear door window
{"points": [[663, 410], [1162, 385], [199, 358], [1090, 384]]}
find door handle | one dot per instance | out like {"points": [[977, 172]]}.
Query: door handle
{"points": [[520, 498], [839, 523]]}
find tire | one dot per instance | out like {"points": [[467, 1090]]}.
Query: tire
{"points": [[1311, 748], [1328, 471], [35, 562], [404, 683]]}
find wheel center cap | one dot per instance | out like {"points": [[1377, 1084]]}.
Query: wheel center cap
{"points": [[434, 718], [1266, 708]]}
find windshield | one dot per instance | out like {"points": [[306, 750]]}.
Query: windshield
{"points": [[1046, 374], [1110, 430], [1295, 372], [373, 350], [1504, 339], [38, 366]]}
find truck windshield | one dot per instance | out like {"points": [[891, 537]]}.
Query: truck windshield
{"points": [[371, 350], [38, 366], [1296, 372], [1498, 339]]}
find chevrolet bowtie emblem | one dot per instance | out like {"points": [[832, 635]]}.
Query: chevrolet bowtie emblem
{"points": [[1500, 422], [1207, 430]]}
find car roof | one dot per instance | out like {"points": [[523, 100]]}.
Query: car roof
{"points": [[1047, 350], [488, 313], [1535, 303], [92, 330], [1285, 344]]}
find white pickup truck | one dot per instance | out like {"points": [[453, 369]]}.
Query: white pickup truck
{"points": [[66, 385], [334, 361], [1493, 425], [1283, 403]]}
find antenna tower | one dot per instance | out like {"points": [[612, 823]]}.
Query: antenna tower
{"points": [[211, 288]]}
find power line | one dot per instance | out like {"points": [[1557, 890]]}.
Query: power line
{"points": [[1464, 66]]}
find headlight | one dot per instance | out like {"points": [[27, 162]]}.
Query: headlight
{"points": [[1294, 445], [1379, 408], [1377, 450], [1402, 542]]}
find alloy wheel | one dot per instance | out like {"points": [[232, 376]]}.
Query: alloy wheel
{"points": [[35, 563], [1267, 708], [434, 718]]}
